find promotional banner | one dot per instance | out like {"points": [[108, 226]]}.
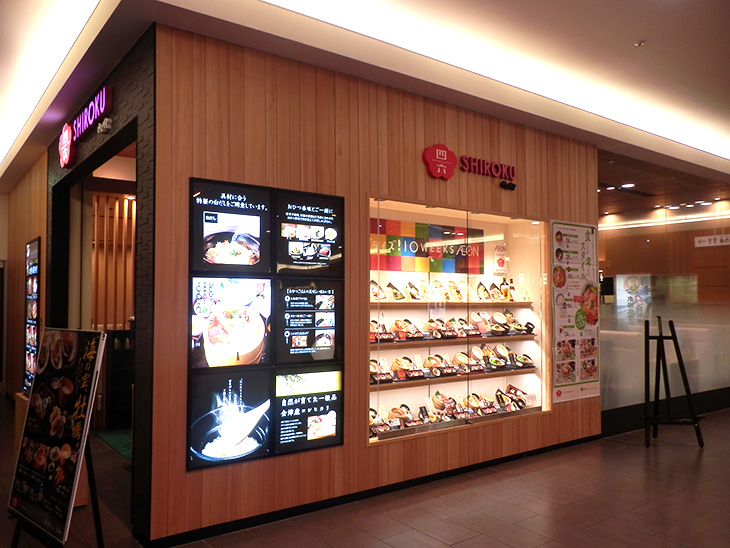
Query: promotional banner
{"points": [[55, 430], [575, 311], [404, 246]]}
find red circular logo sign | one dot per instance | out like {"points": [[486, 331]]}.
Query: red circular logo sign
{"points": [[65, 149], [440, 161]]}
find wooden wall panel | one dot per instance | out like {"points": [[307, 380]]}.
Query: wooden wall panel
{"points": [[232, 113], [27, 217]]}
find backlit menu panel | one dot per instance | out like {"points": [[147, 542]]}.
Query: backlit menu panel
{"points": [[32, 311], [310, 330], [266, 328], [309, 234]]}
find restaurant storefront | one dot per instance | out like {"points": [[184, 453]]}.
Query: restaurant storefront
{"points": [[387, 206]]}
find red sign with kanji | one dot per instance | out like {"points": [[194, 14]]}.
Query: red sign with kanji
{"points": [[440, 161]]}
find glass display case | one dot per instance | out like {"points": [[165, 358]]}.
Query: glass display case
{"points": [[456, 318]]}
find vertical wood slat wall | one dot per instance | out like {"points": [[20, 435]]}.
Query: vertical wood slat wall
{"points": [[231, 113], [112, 261], [27, 217]]}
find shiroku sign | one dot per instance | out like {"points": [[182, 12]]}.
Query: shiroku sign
{"points": [[440, 163], [100, 105]]}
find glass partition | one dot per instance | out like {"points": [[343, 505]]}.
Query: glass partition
{"points": [[664, 250]]}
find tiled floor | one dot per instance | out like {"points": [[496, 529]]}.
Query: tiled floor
{"points": [[608, 493]]}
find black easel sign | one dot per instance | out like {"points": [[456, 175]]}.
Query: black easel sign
{"points": [[55, 431]]}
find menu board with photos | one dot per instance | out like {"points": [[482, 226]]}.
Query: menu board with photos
{"points": [[266, 289], [55, 429], [309, 234], [575, 311], [230, 228], [32, 310]]}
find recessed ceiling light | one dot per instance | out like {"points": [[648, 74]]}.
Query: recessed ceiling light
{"points": [[605, 212], [639, 43], [657, 206], [628, 185], [705, 203], [611, 188], [598, 190], [673, 207]]}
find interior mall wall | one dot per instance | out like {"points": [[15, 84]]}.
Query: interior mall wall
{"points": [[670, 251], [4, 198], [3, 257], [234, 114], [27, 217]]}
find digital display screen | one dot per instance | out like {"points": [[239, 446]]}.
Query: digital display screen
{"points": [[308, 328], [308, 407], [309, 234], [229, 416], [32, 311], [229, 321], [230, 228]]}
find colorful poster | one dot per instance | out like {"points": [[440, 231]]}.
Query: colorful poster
{"points": [[575, 311], [55, 430], [633, 294], [404, 246]]}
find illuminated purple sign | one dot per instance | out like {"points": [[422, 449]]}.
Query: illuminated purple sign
{"points": [[100, 105]]}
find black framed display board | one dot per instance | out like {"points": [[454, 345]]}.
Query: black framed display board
{"points": [[32, 310], [266, 322], [55, 430]]}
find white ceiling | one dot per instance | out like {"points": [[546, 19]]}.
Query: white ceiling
{"points": [[557, 48]]}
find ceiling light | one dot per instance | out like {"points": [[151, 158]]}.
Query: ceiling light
{"points": [[673, 207], [628, 185], [705, 203], [611, 188], [489, 55], [639, 44], [690, 205], [45, 46]]}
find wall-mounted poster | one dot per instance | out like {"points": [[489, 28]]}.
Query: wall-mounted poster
{"points": [[575, 311], [230, 227], [32, 310], [266, 291], [55, 430], [309, 236], [309, 326]]}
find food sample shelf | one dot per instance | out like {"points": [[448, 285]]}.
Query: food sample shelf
{"points": [[426, 343], [450, 304], [397, 385]]}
